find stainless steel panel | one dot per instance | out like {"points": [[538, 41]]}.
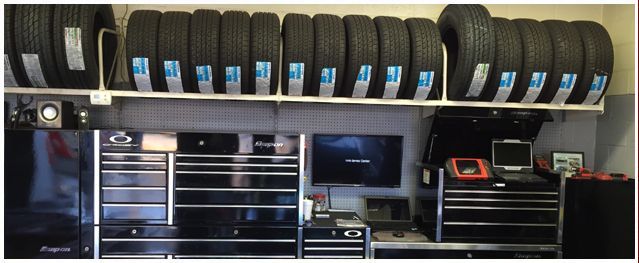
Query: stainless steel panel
{"points": [[463, 246]]}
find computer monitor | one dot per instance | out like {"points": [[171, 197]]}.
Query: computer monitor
{"points": [[395, 209], [512, 155], [357, 160]]}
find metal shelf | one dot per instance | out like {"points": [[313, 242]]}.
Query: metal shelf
{"points": [[279, 98], [304, 99]]}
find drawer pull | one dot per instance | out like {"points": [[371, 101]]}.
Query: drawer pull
{"points": [[134, 188], [239, 164], [495, 224], [235, 206], [134, 205], [133, 172], [499, 192], [318, 256], [499, 200], [234, 256], [134, 162], [235, 156], [334, 240], [353, 233], [233, 173], [334, 248], [500, 208], [194, 240], [235, 189], [134, 256]]}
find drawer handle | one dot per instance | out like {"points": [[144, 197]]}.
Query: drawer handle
{"points": [[353, 233]]}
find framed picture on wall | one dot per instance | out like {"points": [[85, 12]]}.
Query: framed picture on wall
{"points": [[567, 161]]}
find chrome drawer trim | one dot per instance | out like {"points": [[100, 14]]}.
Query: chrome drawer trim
{"points": [[234, 256], [500, 200], [171, 192], [96, 177], [236, 206], [141, 188], [500, 208], [134, 171], [496, 224], [133, 205], [336, 257], [232, 173], [135, 162], [499, 192], [133, 154], [134, 256], [234, 156], [239, 164], [333, 240], [196, 240], [335, 248], [235, 189]]}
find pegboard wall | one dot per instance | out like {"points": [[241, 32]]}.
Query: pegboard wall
{"points": [[303, 118]]}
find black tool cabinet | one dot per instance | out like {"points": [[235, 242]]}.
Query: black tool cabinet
{"points": [[197, 195], [480, 212]]}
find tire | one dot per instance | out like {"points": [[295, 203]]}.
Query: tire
{"points": [[598, 59], [536, 60], [362, 48], [35, 26], [394, 50], [469, 36], [204, 49], [508, 58], [10, 49], [173, 45], [235, 36], [426, 55], [330, 52], [298, 36], [265, 47], [567, 58], [142, 42], [82, 72]]}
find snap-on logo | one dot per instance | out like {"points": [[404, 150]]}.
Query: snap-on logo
{"points": [[268, 144], [120, 139], [54, 250]]}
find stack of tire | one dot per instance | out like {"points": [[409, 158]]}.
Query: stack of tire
{"points": [[356, 56], [524, 60], [205, 52], [55, 46]]}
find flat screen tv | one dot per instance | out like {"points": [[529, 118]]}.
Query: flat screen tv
{"points": [[357, 160]]}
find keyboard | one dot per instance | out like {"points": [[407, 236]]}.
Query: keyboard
{"points": [[522, 177]]}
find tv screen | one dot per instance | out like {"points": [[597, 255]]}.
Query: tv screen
{"points": [[355, 160]]}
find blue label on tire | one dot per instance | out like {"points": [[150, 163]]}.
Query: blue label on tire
{"points": [[205, 78]]}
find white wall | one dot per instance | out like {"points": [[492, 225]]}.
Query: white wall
{"points": [[616, 128]]}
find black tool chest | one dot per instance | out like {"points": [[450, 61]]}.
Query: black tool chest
{"points": [[197, 195], [325, 239], [482, 212]]}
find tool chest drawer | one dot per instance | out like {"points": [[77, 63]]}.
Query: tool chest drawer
{"points": [[199, 242], [337, 243]]}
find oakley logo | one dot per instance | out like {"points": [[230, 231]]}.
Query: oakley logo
{"points": [[120, 139]]}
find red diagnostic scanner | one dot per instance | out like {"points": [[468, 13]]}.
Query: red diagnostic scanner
{"points": [[469, 169]]}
